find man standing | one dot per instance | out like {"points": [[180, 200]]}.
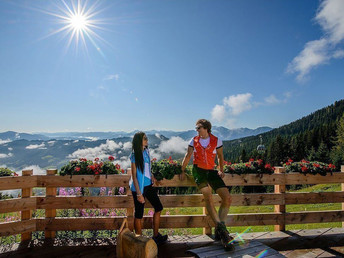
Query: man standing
{"points": [[205, 147]]}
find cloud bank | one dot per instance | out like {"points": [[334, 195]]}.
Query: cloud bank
{"points": [[320, 51]]}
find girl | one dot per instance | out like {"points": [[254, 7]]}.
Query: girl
{"points": [[141, 186]]}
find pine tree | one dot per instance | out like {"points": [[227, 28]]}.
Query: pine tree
{"points": [[243, 156], [322, 153], [337, 154]]}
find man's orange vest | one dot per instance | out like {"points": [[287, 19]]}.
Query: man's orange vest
{"points": [[205, 157]]}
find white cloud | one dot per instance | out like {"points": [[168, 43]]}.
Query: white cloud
{"points": [[124, 162], [10, 149], [175, 144], [272, 99], [51, 143], [314, 54], [136, 99], [218, 113], [232, 105], [155, 154], [111, 77], [92, 139], [127, 145], [37, 170], [36, 146], [102, 151], [330, 17], [3, 155], [338, 54], [75, 141], [4, 141], [238, 103], [321, 51]]}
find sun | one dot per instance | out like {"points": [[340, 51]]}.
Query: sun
{"points": [[78, 23]]}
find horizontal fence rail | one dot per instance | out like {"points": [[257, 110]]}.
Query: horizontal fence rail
{"points": [[27, 203]]}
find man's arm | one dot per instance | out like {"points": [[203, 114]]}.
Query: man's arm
{"points": [[185, 162], [220, 159]]}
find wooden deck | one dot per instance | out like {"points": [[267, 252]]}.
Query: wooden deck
{"points": [[328, 242]]}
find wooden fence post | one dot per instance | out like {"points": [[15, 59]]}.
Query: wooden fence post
{"points": [[26, 215], [50, 213], [130, 211], [280, 208], [207, 230]]}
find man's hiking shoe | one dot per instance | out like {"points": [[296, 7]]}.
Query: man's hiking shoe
{"points": [[222, 233], [159, 239], [217, 230]]}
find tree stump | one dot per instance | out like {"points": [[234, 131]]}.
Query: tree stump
{"points": [[131, 245]]}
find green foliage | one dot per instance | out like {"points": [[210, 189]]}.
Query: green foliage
{"points": [[316, 130], [251, 167], [307, 167], [166, 168], [6, 172], [89, 167]]}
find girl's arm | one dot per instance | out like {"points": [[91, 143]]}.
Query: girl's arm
{"points": [[136, 184]]}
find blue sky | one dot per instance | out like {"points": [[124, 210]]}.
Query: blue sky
{"points": [[164, 64]]}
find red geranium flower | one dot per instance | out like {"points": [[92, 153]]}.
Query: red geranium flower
{"points": [[77, 169], [111, 158], [118, 166], [251, 160], [290, 160], [96, 159], [267, 166], [304, 169]]}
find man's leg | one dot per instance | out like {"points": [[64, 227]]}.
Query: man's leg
{"points": [[226, 201], [209, 204]]}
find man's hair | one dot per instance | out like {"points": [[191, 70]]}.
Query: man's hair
{"points": [[205, 124]]}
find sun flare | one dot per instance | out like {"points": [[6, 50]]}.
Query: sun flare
{"points": [[78, 23]]}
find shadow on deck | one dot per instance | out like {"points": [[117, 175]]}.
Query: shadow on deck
{"points": [[297, 243]]}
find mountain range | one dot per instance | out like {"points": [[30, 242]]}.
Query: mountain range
{"points": [[222, 132], [19, 150]]}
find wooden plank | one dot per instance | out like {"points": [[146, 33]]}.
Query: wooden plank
{"points": [[17, 227], [83, 181], [321, 197], [17, 182], [230, 180], [314, 217], [26, 215], [249, 248], [51, 212], [169, 201], [299, 179], [166, 221], [17, 204], [70, 223], [280, 189]]}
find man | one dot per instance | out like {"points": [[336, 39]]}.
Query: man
{"points": [[205, 147]]}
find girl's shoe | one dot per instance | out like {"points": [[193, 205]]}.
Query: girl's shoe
{"points": [[159, 239]]}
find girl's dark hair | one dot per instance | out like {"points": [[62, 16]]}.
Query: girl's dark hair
{"points": [[137, 149]]}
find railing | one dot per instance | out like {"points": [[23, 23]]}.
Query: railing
{"points": [[50, 224]]}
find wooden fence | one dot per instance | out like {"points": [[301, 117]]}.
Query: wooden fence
{"points": [[50, 224]]}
